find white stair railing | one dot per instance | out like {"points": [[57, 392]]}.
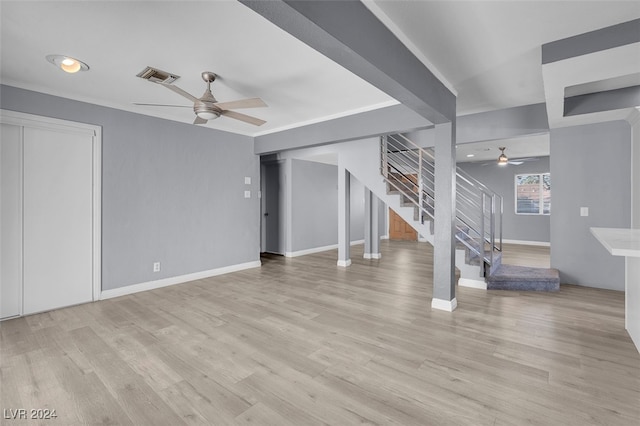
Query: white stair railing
{"points": [[410, 170]]}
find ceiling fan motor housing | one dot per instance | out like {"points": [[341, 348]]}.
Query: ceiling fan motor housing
{"points": [[205, 106]]}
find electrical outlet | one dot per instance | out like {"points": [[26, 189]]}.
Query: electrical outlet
{"points": [[584, 211], [247, 194], [156, 266]]}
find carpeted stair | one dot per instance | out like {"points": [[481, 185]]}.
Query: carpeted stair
{"points": [[523, 278]]}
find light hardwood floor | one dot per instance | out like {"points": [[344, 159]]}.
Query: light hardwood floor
{"points": [[303, 342]]}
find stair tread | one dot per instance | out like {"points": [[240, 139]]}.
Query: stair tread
{"points": [[514, 277]]}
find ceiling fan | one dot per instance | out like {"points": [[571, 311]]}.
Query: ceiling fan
{"points": [[208, 108], [503, 160]]}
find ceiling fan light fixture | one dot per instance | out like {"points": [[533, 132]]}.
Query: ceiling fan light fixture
{"points": [[207, 115], [502, 159], [67, 63]]}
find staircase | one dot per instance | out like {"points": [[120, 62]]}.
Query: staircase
{"points": [[409, 172]]}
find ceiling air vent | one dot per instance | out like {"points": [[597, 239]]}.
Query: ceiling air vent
{"points": [[157, 76]]}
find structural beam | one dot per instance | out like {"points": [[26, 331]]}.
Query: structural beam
{"points": [[352, 36], [591, 42], [626, 97], [392, 119]]}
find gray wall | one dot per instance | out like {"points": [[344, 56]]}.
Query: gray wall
{"points": [[502, 180], [590, 167], [315, 206], [168, 193]]}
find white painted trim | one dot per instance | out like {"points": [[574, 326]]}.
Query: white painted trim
{"points": [[354, 111], [151, 285], [318, 249], [528, 243], [467, 282], [384, 237], [97, 213], [42, 122], [444, 305], [372, 256], [344, 263], [310, 251]]}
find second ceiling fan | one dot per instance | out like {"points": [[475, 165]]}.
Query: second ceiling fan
{"points": [[208, 108]]}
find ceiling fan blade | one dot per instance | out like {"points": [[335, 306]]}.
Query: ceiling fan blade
{"points": [[164, 105], [179, 91], [242, 103], [199, 120], [243, 117]]}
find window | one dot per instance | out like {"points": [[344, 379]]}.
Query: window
{"points": [[533, 193]]}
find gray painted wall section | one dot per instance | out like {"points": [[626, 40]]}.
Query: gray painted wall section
{"points": [[391, 119], [590, 167], [593, 41], [315, 203], [168, 192], [626, 97], [501, 179], [502, 124], [336, 28]]}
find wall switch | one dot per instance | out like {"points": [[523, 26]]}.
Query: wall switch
{"points": [[247, 194], [247, 180], [584, 211], [156, 266]]}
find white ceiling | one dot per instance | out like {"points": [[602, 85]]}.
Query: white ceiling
{"points": [[117, 39], [490, 51], [487, 52]]}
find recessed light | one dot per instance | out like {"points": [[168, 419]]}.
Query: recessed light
{"points": [[470, 155], [67, 63]]}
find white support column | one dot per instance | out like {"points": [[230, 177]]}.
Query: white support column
{"points": [[444, 262], [344, 216]]}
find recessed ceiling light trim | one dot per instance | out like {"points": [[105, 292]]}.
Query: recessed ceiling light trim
{"points": [[67, 63]]}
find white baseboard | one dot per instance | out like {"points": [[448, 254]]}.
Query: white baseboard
{"points": [[466, 282], [444, 305], [318, 249], [150, 285], [344, 263], [384, 237], [372, 256], [310, 251], [528, 243]]}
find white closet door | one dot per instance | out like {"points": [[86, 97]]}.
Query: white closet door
{"points": [[57, 219], [10, 221]]}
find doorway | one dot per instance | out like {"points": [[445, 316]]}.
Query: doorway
{"points": [[272, 207], [399, 229]]}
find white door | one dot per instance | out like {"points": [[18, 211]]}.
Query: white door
{"points": [[10, 220], [57, 215]]}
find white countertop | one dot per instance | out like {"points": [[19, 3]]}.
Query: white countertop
{"points": [[619, 241]]}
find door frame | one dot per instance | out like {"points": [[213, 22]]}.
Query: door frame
{"points": [[264, 195], [47, 123]]}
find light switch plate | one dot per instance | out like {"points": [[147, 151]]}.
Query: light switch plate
{"points": [[584, 211], [247, 194], [247, 180]]}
